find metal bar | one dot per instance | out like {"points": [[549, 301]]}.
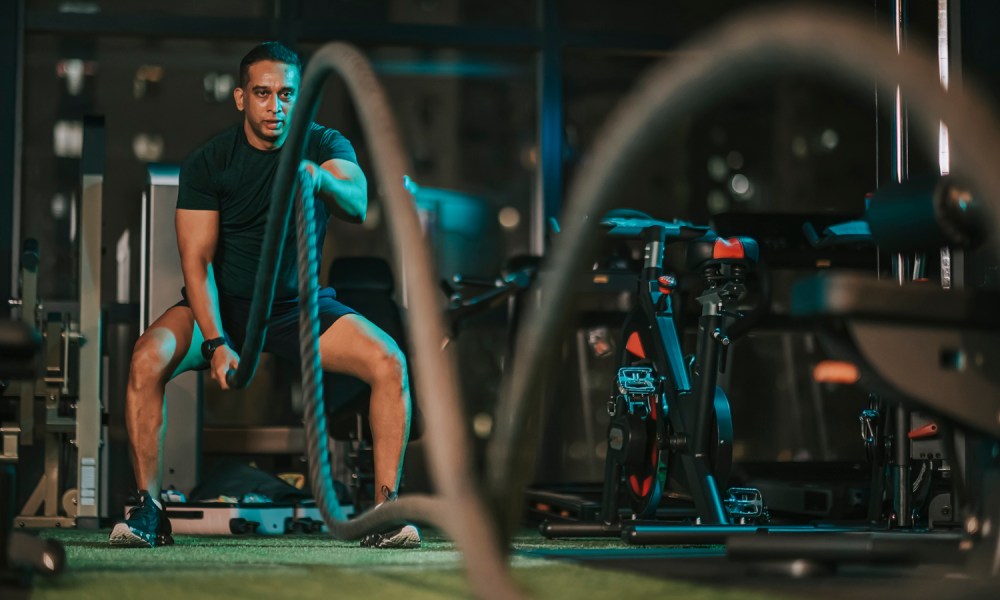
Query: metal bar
{"points": [[586, 398], [8, 495], [90, 405], [900, 146], [11, 61], [291, 26], [137, 25], [900, 164], [704, 489], [706, 374], [901, 468], [548, 198], [944, 150], [26, 522], [643, 534], [53, 445], [29, 314], [35, 500]]}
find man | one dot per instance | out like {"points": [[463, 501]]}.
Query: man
{"points": [[222, 208]]}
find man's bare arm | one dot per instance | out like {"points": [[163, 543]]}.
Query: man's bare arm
{"points": [[342, 186], [197, 236]]}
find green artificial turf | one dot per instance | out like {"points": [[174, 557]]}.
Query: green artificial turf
{"points": [[317, 566]]}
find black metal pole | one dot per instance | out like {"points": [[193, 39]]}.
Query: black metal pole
{"points": [[11, 58]]}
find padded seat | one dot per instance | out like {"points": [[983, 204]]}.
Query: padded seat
{"points": [[713, 250], [857, 295], [915, 343]]}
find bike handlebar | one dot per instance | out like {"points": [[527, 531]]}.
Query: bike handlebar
{"points": [[633, 228], [460, 308]]}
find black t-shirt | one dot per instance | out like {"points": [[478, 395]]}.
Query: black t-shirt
{"points": [[229, 175]]}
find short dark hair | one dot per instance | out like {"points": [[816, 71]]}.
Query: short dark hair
{"points": [[275, 51]]}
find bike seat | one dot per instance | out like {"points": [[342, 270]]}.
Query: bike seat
{"points": [[710, 250]]}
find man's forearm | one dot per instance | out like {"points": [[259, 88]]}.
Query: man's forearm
{"points": [[344, 195], [203, 296]]}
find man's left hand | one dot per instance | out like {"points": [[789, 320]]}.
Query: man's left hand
{"points": [[317, 174]]}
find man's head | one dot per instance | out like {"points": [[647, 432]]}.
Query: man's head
{"points": [[269, 83]]}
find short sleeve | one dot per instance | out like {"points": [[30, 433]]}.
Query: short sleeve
{"points": [[196, 190], [326, 144]]}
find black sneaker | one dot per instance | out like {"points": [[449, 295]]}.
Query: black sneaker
{"points": [[145, 527], [407, 536]]}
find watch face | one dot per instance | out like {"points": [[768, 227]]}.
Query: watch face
{"points": [[208, 347]]}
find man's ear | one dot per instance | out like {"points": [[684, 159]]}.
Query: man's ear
{"points": [[238, 97]]}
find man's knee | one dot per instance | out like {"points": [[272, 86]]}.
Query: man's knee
{"points": [[152, 359], [389, 364]]}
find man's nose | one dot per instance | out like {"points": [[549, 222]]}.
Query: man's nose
{"points": [[274, 104]]}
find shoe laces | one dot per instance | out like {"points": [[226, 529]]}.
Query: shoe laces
{"points": [[388, 495], [141, 506]]}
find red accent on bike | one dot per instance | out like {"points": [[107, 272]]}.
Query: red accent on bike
{"points": [[835, 371], [666, 284], [728, 248], [928, 430], [634, 345]]}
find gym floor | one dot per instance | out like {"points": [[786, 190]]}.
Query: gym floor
{"points": [[307, 566]]}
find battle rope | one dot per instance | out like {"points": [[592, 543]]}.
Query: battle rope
{"points": [[457, 509]]}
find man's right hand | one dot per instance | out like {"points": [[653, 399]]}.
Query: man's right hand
{"points": [[224, 360]]}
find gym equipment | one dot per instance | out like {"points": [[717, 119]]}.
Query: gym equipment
{"points": [[68, 391], [733, 57], [462, 305], [943, 212], [671, 429], [21, 554], [245, 518]]}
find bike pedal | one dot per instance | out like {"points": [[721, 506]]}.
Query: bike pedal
{"points": [[636, 380], [745, 505]]}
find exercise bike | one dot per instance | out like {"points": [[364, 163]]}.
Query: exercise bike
{"points": [[670, 432]]}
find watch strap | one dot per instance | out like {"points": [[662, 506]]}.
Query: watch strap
{"points": [[208, 347]]}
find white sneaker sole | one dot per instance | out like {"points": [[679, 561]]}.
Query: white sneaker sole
{"points": [[123, 536], [407, 537]]}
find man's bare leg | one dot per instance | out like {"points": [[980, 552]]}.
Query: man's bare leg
{"points": [[171, 345], [353, 345]]}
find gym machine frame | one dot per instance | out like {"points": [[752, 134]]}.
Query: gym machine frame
{"points": [[73, 406]]}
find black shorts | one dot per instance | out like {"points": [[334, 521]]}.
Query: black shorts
{"points": [[282, 337]]}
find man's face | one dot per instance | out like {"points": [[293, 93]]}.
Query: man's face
{"points": [[267, 102]]}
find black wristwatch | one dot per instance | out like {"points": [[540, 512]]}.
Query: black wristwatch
{"points": [[208, 347]]}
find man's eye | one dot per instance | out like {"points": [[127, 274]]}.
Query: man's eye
{"points": [[286, 95]]}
